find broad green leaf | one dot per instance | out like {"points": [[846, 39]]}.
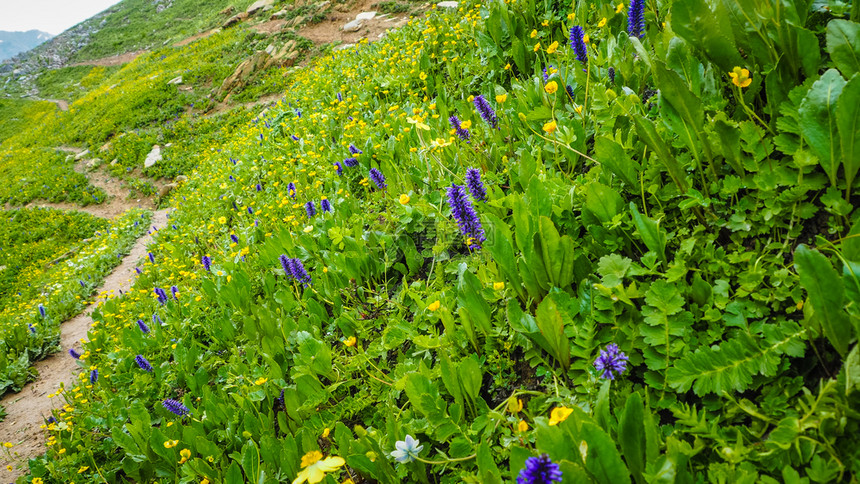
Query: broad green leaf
{"points": [[604, 202], [551, 322], [818, 121], [472, 301], [826, 293], [843, 45], [469, 372], [631, 435], [500, 244], [650, 232], [848, 122], [648, 133], [602, 459], [729, 137], [557, 252], [613, 157], [706, 26], [487, 468], [852, 370]]}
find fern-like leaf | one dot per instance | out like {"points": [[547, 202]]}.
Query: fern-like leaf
{"points": [[732, 365], [666, 326]]}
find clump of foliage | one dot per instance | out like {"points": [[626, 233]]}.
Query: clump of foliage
{"points": [[612, 243]]}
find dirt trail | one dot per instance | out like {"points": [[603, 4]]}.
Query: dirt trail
{"points": [[117, 202], [28, 409], [114, 60]]}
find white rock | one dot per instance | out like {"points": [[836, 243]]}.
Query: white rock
{"points": [[153, 157], [80, 156], [353, 26], [259, 5], [175, 80], [343, 47], [447, 4], [365, 16], [168, 145]]}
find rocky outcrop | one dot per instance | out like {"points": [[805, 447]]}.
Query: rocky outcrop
{"points": [[153, 157], [286, 55]]}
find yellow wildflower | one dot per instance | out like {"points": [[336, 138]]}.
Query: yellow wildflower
{"points": [[550, 127], [171, 444], [326, 432], [559, 415], [314, 467], [185, 454], [434, 305], [740, 77], [552, 47], [522, 426], [261, 380], [619, 8], [498, 286], [533, 34], [537, 47], [350, 341], [602, 22], [404, 199], [83, 469], [501, 98], [551, 87]]}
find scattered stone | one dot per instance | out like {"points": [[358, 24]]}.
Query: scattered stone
{"points": [[365, 16], [70, 158], [153, 157], [83, 154], [235, 19], [163, 191], [94, 163], [260, 5], [175, 80], [105, 147], [447, 4], [343, 47], [227, 11], [114, 162], [279, 14], [168, 145], [353, 26]]}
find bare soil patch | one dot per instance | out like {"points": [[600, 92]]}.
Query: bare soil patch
{"points": [[28, 409], [201, 35], [114, 60]]}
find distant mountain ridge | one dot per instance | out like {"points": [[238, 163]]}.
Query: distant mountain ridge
{"points": [[12, 43]]}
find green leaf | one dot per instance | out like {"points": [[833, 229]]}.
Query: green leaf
{"points": [[557, 252], [843, 45], [646, 130], [826, 293], [612, 269], [551, 324], [709, 30], [729, 142], [732, 364], [818, 121], [613, 157], [602, 459], [604, 202], [848, 122], [852, 370], [650, 232], [631, 435], [487, 468], [472, 301]]}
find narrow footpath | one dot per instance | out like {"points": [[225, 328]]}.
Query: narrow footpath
{"points": [[28, 409]]}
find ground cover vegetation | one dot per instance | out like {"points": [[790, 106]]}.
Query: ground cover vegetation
{"points": [[600, 243], [57, 286]]}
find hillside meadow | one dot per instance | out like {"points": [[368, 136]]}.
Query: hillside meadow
{"points": [[600, 242]]}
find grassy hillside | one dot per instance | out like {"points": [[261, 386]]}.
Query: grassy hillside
{"points": [[613, 243]]}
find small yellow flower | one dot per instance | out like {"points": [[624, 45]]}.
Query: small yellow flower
{"points": [[9, 468], [434, 305], [800, 305], [308, 229], [171, 444], [37, 480], [83, 469], [222, 220], [508, 66], [500, 98], [498, 286], [559, 415], [185, 454], [537, 47], [8, 445], [326, 432], [571, 16], [586, 39], [522, 426], [552, 47], [578, 109], [533, 34], [740, 77], [404, 199], [550, 127], [350, 341], [314, 467], [619, 8], [204, 481], [551, 87], [602, 22], [466, 124], [260, 381]]}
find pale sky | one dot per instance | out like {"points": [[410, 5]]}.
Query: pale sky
{"points": [[52, 16]]}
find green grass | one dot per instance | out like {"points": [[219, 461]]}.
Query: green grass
{"points": [[20, 115], [70, 83]]}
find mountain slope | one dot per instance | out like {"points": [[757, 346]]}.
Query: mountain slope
{"points": [[12, 43]]}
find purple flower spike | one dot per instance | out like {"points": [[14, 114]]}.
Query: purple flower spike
{"points": [[350, 162], [636, 19], [325, 205], [285, 264], [354, 150], [539, 470], [207, 262], [94, 376], [462, 132], [464, 213], [176, 407], [143, 327], [142, 363], [42, 311], [291, 188], [486, 111], [74, 354], [378, 179], [310, 208], [611, 359], [577, 42], [476, 187]]}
